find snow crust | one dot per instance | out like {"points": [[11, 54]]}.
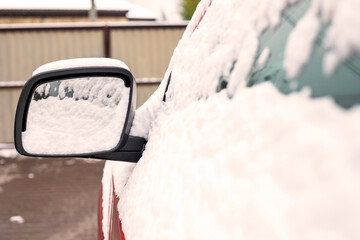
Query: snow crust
{"points": [[80, 62], [141, 13], [273, 169], [107, 194], [135, 11], [264, 56], [8, 173], [17, 219], [245, 163], [12, 84], [115, 173], [8, 153], [89, 121], [342, 39], [65, 4], [163, 9]]}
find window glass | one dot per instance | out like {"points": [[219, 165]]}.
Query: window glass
{"points": [[343, 85]]}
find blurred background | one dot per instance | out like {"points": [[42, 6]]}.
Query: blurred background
{"points": [[57, 198], [141, 33]]}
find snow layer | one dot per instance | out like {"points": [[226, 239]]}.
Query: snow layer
{"points": [[107, 197], [80, 62], [65, 4], [17, 219], [341, 41], [245, 163], [263, 58], [163, 9], [115, 173], [136, 11], [8, 173], [273, 169], [90, 121], [141, 13], [8, 153]]}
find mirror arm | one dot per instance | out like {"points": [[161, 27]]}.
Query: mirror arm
{"points": [[133, 144], [130, 152]]}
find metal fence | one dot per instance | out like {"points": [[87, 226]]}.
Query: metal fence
{"points": [[145, 47]]}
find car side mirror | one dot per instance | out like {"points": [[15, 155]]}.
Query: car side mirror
{"points": [[79, 112]]}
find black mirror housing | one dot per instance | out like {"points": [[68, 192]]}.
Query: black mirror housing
{"points": [[127, 148]]}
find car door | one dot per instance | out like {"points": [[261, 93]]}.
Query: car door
{"points": [[257, 138]]}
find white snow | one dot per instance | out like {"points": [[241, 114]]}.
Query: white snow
{"points": [[12, 84], [65, 4], [148, 80], [258, 165], [163, 9], [299, 48], [114, 173], [90, 121], [81, 125], [140, 13], [341, 40], [8, 153], [8, 173], [80, 62], [275, 169], [264, 56], [107, 196], [17, 219], [135, 10]]}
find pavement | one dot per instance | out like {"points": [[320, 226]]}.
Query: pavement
{"points": [[50, 199]]}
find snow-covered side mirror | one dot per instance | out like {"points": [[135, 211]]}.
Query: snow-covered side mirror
{"points": [[79, 111]]}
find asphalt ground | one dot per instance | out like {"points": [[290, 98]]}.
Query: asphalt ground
{"points": [[49, 199]]}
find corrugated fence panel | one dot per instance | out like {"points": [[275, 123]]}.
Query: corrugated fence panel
{"points": [[8, 103], [146, 51], [24, 51]]}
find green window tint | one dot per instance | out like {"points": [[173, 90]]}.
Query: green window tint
{"points": [[343, 85]]}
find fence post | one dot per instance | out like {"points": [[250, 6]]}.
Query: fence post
{"points": [[107, 41]]}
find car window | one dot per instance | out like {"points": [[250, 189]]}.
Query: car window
{"points": [[343, 85]]}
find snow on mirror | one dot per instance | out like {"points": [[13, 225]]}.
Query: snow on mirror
{"points": [[75, 116]]}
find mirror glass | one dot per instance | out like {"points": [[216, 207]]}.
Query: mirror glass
{"points": [[74, 116]]}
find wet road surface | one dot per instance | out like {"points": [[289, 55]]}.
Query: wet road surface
{"points": [[49, 199]]}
